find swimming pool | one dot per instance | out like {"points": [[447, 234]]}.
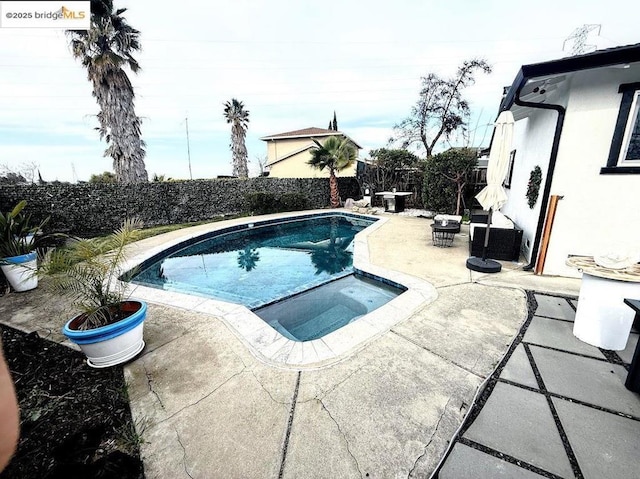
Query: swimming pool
{"points": [[296, 274], [263, 341]]}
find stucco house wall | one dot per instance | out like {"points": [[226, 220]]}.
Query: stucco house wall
{"points": [[288, 157], [533, 137], [599, 213], [296, 167]]}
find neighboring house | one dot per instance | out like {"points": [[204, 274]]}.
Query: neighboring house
{"points": [[288, 153], [578, 119]]}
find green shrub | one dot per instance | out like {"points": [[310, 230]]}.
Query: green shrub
{"points": [[262, 203], [445, 179]]}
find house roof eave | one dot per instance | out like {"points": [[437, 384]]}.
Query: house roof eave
{"points": [[597, 59], [315, 134]]}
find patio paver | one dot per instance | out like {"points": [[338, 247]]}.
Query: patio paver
{"points": [[604, 444], [559, 335], [589, 380], [525, 433], [595, 417], [554, 307], [518, 369], [467, 462]]}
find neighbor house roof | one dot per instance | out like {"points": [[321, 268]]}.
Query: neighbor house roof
{"points": [[599, 58], [307, 133]]}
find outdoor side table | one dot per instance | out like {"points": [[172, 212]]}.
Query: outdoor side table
{"points": [[602, 319], [442, 235], [633, 377], [394, 200]]}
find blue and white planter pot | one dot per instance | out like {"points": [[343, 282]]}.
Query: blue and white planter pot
{"points": [[21, 271], [113, 344]]}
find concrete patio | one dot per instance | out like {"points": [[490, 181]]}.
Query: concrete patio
{"points": [[207, 407]]}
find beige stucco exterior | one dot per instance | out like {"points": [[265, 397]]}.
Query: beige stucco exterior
{"points": [[288, 157]]}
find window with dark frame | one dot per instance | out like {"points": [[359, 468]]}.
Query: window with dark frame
{"points": [[507, 179], [624, 155], [631, 142]]}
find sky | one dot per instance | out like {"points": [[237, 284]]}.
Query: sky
{"points": [[291, 62]]}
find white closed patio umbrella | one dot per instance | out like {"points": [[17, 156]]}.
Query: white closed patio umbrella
{"points": [[493, 196]]}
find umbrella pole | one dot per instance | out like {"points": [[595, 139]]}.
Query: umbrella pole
{"points": [[484, 265], [485, 248]]}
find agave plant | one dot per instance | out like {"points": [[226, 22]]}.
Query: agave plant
{"points": [[86, 272], [17, 235]]}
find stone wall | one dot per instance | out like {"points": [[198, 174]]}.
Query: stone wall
{"points": [[93, 209]]}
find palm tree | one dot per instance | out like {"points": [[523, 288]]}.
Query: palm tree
{"points": [[248, 258], [332, 257], [235, 114], [105, 50], [336, 154]]}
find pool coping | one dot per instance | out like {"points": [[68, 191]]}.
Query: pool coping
{"points": [[264, 342]]}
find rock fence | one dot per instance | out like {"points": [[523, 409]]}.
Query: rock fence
{"points": [[88, 209]]}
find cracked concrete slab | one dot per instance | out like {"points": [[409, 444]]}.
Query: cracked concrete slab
{"points": [[394, 410], [314, 424], [464, 316], [237, 431]]}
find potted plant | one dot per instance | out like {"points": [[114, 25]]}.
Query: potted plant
{"points": [[110, 326], [18, 242]]}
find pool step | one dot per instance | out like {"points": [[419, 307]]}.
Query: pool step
{"points": [[331, 319]]}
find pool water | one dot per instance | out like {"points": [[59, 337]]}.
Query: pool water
{"points": [[263, 263], [320, 311]]}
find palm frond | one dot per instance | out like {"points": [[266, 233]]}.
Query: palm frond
{"points": [[86, 272]]}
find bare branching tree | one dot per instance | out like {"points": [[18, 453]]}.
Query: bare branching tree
{"points": [[261, 162], [441, 109], [389, 168], [24, 173]]}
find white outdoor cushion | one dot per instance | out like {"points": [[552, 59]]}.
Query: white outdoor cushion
{"points": [[448, 218], [498, 220]]}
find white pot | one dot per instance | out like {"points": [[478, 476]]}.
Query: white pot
{"points": [[115, 350], [21, 271], [112, 344]]}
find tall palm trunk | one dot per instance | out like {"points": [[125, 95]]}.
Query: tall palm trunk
{"points": [[333, 189], [235, 114], [120, 125], [239, 151]]}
